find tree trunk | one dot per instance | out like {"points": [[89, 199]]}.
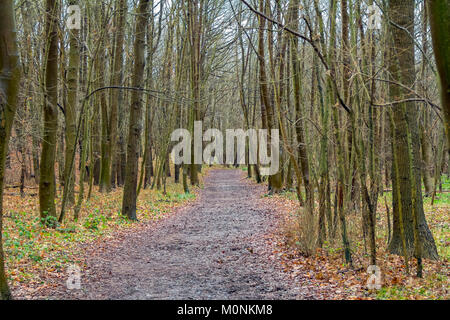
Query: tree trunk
{"points": [[194, 32], [299, 125], [47, 175], [71, 109], [402, 69], [427, 163], [109, 154], [134, 130], [9, 88], [439, 11], [275, 181]]}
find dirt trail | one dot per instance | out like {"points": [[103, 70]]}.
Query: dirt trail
{"points": [[211, 250]]}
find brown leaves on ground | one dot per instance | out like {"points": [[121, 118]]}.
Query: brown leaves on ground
{"points": [[326, 270], [37, 256]]}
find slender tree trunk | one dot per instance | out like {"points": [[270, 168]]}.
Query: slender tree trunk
{"points": [[275, 181], [299, 124], [109, 153], [439, 11], [83, 157], [105, 137], [9, 88], [425, 132], [47, 174], [148, 161], [71, 108], [194, 11], [426, 145]]}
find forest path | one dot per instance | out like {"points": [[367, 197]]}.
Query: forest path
{"points": [[213, 249]]}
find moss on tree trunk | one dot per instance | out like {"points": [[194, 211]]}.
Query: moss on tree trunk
{"points": [[9, 87], [402, 70]]}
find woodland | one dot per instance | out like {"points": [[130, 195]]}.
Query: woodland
{"points": [[91, 91]]}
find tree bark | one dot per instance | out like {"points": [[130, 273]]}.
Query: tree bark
{"points": [[110, 127], [275, 181], [135, 127], [47, 175], [402, 69], [71, 109], [194, 32], [439, 14], [9, 87]]}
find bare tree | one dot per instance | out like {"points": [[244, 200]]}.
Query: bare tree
{"points": [[9, 87], [47, 181], [135, 127]]}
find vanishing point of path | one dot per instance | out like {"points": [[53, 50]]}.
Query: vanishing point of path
{"points": [[213, 249]]}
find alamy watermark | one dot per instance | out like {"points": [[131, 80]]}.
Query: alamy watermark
{"points": [[73, 21], [374, 17], [374, 281], [73, 281], [235, 143]]}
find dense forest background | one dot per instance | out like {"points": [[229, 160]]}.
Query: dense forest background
{"points": [[359, 90]]}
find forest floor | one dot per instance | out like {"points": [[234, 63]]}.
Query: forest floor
{"points": [[228, 240], [215, 248], [38, 257], [327, 267]]}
